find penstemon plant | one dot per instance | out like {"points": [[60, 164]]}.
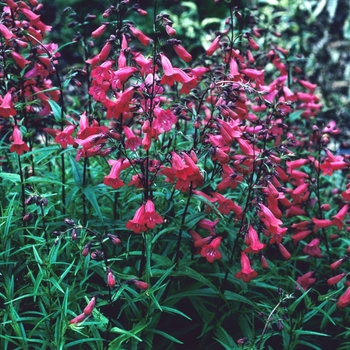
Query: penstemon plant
{"points": [[154, 199]]}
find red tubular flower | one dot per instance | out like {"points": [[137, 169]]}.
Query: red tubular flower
{"points": [[285, 253], [300, 235], [246, 273], [65, 137], [19, 59], [6, 106], [208, 225], [113, 179], [337, 263], [90, 306], [338, 219], [144, 39], [344, 299], [150, 217], [137, 224], [170, 30], [99, 31], [213, 46], [269, 220], [210, 251], [253, 44], [132, 142], [336, 279], [18, 145], [6, 33], [252, 239], [182, 52], [332, 163], [313, 248], [305, 281]]}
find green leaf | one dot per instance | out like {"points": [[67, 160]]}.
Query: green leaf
{"points": [[165, 335], [236, 297], [170, 310], [56, 110], [187, 271], [91, 196], [224, 338], [123, 331], [77, 171], [11, 177], [305, 332]]}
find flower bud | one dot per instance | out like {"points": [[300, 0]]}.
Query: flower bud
{"points": [[141, 285], [27, 217], [69, 222], [80, 318], [90, 306], [86, 249], [114, 239], [335, 279], [110, 279], [74, 234]]}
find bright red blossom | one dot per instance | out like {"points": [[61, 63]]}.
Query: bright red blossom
{"points": [[246, 273], [305, 281], [210, 251], [18, 145]]}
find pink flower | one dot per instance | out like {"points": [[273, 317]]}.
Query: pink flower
{"points": [[246, 273], [170, 30], [18, 145], [285, 253], [210, 251], [99, 31], [144, 39], [182, 53], [6, 107], [165, 119], [113, 178], [213, 46], [344, 299], [305, 281], [313, 248], [19, 59], [338, 219], [132, 142], [137, 224], [65, 137], [150, 217], [252, 239], [336, 279]]}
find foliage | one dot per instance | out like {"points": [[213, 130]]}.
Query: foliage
{"points": [[162, 197]]}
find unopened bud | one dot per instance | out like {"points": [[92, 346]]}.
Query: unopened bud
{"points": [[141, 285], [69, 222], [86, 249], [115, 239], [80, 318], [27, 217], [90, 306], [110, 279], [74, 234]]}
